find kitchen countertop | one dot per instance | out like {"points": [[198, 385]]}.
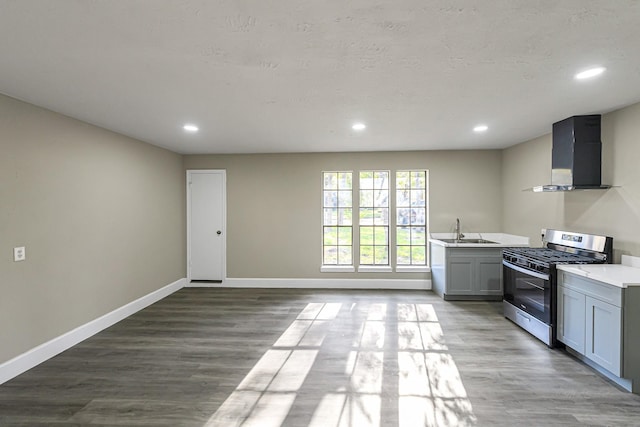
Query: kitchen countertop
{"points": [[614, 274], [502, 240]]}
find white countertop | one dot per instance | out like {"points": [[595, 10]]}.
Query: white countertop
{"points": [[614, 274], [502, 240]]}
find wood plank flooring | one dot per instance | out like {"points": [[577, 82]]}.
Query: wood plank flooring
{"points": [[247, 357]]}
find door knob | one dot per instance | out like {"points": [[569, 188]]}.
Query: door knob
{"points": [[218, 232]]}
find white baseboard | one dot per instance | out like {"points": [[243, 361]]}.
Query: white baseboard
{"points": [[22, 363], [398, 284]]}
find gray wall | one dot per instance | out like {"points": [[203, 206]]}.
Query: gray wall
{"points": [[614, 212], [101, 216], [274, 203]]}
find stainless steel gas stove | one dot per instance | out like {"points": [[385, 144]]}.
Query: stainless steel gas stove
{"points": [[530, 278]]}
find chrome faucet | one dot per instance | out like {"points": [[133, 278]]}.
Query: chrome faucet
{"points": [[459, 235]]}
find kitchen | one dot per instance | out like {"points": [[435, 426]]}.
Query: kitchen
{"points": [[53, 162]]}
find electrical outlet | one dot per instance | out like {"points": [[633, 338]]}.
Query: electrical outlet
{"points": [[19, 254]]}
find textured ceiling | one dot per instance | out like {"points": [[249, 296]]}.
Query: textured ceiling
{"points": [[262, 76]]}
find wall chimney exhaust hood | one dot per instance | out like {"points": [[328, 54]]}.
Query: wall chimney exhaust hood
{"points": [[576, 155]]}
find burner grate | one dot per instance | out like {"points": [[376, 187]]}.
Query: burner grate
{"points": [[549, 256]]}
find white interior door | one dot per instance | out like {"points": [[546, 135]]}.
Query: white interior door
{"points": [[206, 224]]}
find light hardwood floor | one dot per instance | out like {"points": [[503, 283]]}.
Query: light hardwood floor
{"points": [[246, 357]]}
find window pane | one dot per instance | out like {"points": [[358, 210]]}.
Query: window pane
{"points": [[344, 199], [366, 255], [381, 216], [330, 255], [404, 215], [403, 235], [330, 199], [344, 236], [381, 198], [417, 236], [417, 216], [402, 180], [345, 256], [403, 198], [345, 216], [418, 255], [366, 216], [418, 179], [366, 198], [417, 198], [330, 236], [330, 216], [366, 235], [344, 180], [382, 255], [366, 180], [381, 180], [330, 180], [404, 255], [381, 236]]}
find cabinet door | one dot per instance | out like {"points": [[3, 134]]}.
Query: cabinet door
{"points": [[603, 334], [489, 280], [571, 318], [461, 275]]}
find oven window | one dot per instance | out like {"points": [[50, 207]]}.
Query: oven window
{"points": [[528, 293]]}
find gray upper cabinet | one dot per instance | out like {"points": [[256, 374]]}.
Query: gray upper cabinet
{"points": [[466, 273]]}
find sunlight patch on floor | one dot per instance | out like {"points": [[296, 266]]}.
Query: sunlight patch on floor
{"points": [[266, 394], [342, 410], [430, 391]]}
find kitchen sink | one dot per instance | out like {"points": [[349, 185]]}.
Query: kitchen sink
{"points": [[468, 241]]}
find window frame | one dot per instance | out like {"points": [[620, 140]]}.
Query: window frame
{"points": [[386, 227], [392, 243], [412, 267], [336, 267]]}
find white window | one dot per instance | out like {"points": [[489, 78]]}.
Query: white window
{"points": [[374, 217], [389, 228], [337, 223], [411, 218]]}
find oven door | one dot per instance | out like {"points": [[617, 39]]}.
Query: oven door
{"points": [[527, 290]]}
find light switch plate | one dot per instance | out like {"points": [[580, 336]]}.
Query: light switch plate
{"points": [[19, 254]]}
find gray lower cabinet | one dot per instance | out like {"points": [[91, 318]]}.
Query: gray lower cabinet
{"points": [[571, 318], [603, 334], [597, 321], [466, 273]]}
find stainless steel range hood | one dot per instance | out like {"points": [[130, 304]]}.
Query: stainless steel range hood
{"points": [[576, 155]]}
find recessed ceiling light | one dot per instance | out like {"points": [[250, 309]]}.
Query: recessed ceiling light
{"points": [[359, 126], [190, 128], [591, 72], [480, 128]]}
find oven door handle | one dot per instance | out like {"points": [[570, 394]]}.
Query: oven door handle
{"points": [[525, 271]]}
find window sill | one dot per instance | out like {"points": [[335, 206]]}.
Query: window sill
{"points": [[375, 269], [337, 269], [412, 269]]}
